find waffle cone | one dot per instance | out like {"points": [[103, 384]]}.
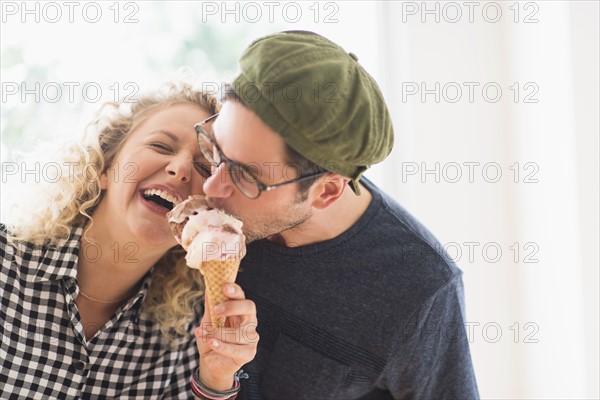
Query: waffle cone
{"points": [[216, 274]]}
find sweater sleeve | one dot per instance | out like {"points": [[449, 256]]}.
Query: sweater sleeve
{"points": [[431, 357]]}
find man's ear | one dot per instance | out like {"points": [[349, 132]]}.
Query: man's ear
{"points": [[328, 189]]}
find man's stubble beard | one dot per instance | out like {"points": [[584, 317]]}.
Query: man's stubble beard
{"points": [[274, 227], [292, 217]]}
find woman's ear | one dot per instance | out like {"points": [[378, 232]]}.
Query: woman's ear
{"points": [[328, 189], [103, 181]]}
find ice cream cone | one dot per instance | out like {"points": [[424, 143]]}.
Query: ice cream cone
{"points": [[216, 274], [214, 244], [179, 215]]}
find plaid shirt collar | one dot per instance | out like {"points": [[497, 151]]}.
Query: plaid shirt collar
{"points": [[59, 262]]}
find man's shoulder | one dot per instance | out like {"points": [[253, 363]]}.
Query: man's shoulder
{"points": [[403, 236]]}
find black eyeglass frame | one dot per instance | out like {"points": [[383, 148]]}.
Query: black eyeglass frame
{"points": [[231, 163]]}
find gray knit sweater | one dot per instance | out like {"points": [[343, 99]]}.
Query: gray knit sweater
{"points": [[376, 313]]}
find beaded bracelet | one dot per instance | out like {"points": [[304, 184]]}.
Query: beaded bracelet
{"points": [[204, 392]]}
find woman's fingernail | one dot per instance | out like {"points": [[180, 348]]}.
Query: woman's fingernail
{"points": [[219, 309], [215, 343], [230, 289]]}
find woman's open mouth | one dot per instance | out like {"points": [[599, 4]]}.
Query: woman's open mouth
{"points": [[159, 200]]}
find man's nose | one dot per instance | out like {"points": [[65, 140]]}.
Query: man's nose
{"points": [[219, 184]]}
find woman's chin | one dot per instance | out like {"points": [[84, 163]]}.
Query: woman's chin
{"points": [[157, 237]]}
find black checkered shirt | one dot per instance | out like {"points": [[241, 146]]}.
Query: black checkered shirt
{"points": [[43, 350]]}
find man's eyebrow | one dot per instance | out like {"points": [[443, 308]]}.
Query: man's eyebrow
{"points": [[167, 133]]}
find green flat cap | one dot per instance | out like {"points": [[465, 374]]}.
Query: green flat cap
{"points": [[319, 99]]}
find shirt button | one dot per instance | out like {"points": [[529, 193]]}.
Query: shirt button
{"points": [[79, 365]]}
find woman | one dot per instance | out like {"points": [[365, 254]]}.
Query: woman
{"points": [[97, 301]]}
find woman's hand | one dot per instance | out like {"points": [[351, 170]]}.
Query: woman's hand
{"points": [[223, 351]]}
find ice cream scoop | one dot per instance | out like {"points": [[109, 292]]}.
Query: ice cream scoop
{"points": [[214, 243]]}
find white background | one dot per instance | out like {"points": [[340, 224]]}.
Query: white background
{"points": [[532, 308]]}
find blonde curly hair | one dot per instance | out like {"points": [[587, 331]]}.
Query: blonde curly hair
{"points": [[175, 289]]}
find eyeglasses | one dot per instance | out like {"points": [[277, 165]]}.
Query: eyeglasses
{"points": [[242, 175]]}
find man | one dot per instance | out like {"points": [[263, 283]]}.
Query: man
{"points": [[354, 298]]}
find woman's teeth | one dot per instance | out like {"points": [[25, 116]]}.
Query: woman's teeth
{"points": [[162, 194]]}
